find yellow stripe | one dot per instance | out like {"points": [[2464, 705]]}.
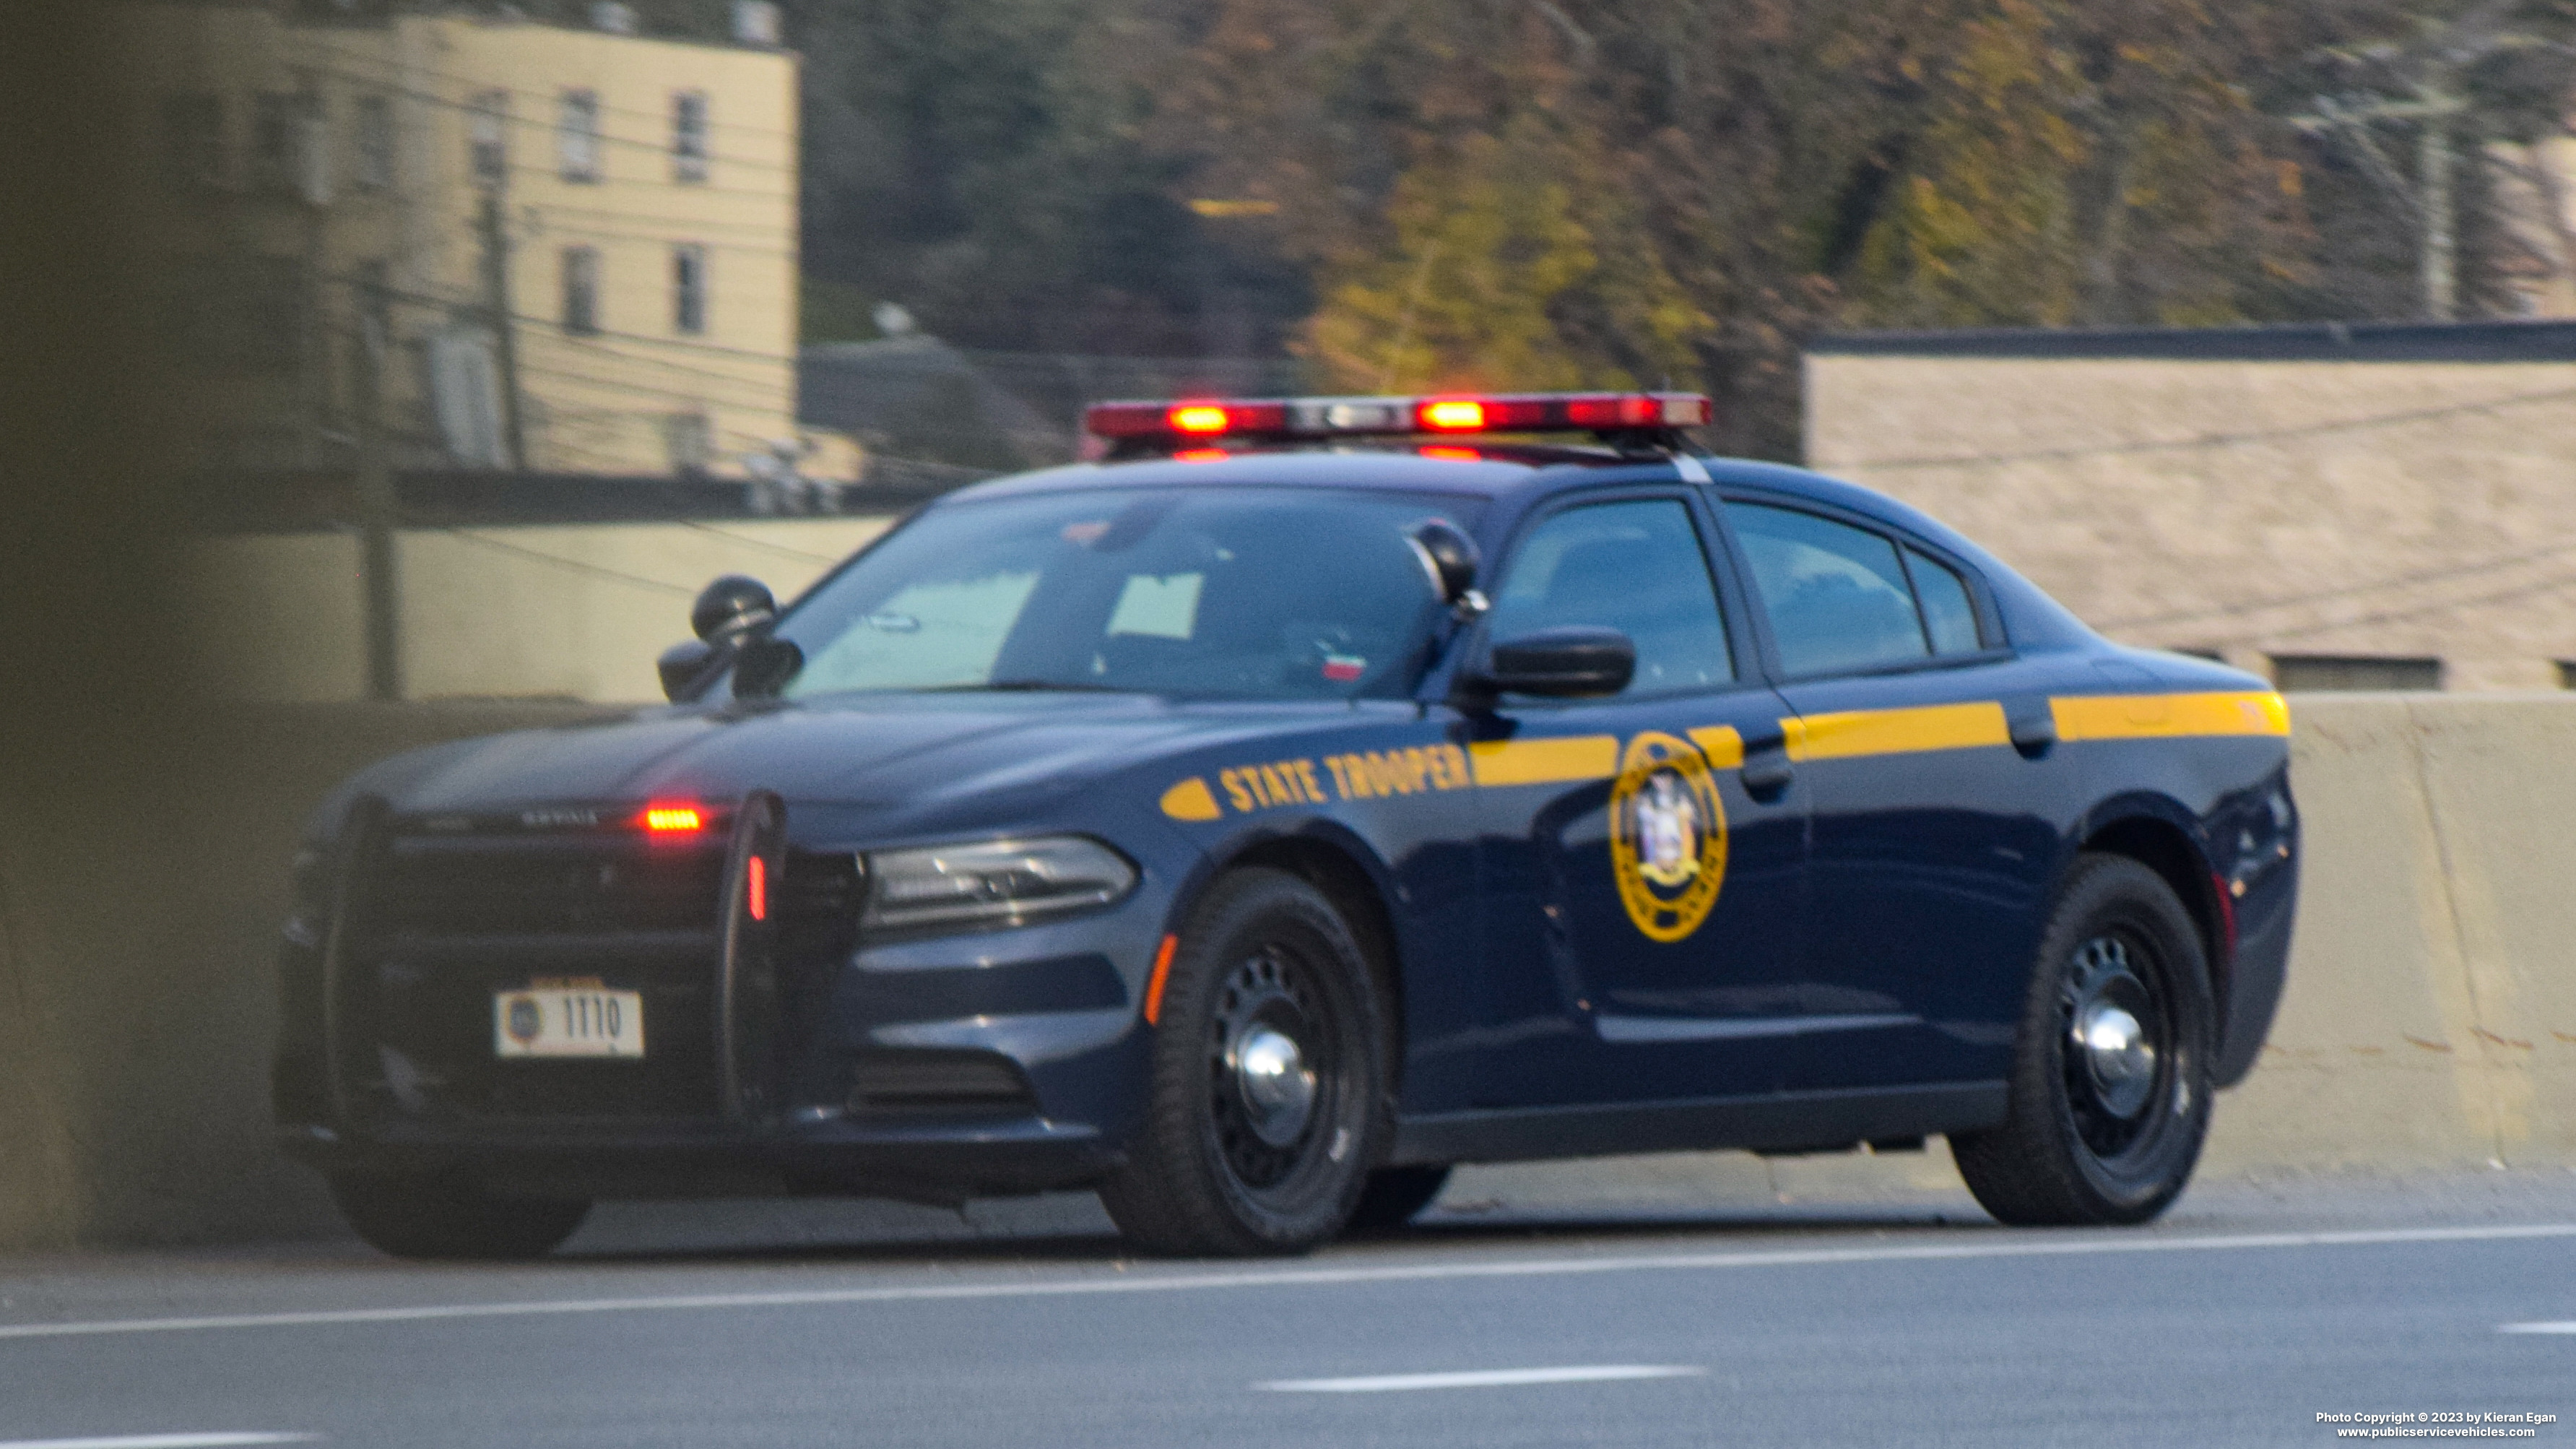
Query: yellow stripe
{"points": [[1723, 746], [2152, 716], [1545, 762], [1896, 731]]}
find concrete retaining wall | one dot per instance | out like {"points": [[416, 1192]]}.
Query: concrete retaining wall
{"points": [[2430, 1021], [564, 611]]}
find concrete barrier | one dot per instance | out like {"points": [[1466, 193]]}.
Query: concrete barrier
{"points": [[2430, 1021]]}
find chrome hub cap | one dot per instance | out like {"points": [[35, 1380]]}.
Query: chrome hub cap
{"points": [[2117, 1053], [1276, 1086], [2117, 1035]]}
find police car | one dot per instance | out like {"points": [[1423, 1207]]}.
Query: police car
{"points": [[1309, 796]]}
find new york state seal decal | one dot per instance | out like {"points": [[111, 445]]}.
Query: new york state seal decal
{"points": [[1667, 836]]}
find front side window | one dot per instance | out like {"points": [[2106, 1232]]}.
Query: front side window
{"points": [[689, 136], [581, 290], [1836, 595], [577, 135], [1243, 592], [1635, 567]]}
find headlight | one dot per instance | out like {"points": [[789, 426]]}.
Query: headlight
{"points": [[995, 882]]}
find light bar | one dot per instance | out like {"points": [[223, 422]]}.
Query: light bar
{"points": [[1208, 420]]}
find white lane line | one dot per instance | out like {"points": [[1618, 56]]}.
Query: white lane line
{"points": [[2030, 1246], [161, 1441], [1480, 1379], [2565, 1327]]}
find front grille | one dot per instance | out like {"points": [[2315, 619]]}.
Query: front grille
{"points": [[443, 919], [449, 921]]}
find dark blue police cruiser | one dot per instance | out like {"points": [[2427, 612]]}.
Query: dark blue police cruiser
{"points": [[1312, 795]]}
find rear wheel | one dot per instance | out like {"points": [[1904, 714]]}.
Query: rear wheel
{"points": [[1395, 1196], [412, 1215], [1268, 1083], [2110, 1092]]}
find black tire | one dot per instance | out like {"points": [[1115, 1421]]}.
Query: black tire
{"points": [[2110, 1134], [1395, 1196], [1223, 1162], [410, 1215]]}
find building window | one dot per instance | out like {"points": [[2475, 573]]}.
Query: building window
{"points": [[192, 142], [689, 136], [581, 290], [577, 135], [2293, 673], [278, 130], [375, 303], [375, 141], [2567, 674], [690, 442], [689, 289], [487, 139]]}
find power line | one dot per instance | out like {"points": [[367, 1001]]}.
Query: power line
{"points": [[362, 58], [513, 118], [2391, 616], [573, 565], [587, 231], [2257, 606], [2216, 440]]}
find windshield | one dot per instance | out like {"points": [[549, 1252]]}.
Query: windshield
{"points": [[1262, 593]]}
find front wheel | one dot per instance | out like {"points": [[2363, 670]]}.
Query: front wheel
{"points": [[2110, 1092], [1266, 1105], [411, 1215]]}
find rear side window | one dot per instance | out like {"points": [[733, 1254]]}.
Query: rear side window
{"points": [[1949, 615], [1837, 596]]}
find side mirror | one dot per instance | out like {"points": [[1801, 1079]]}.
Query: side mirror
{"points": [[763, 666], [682, 664], [732, 607], [1570, 662], [1448, 555]]}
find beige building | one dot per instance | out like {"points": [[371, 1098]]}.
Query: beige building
{"points": [[2364, 506], [578, 245]]}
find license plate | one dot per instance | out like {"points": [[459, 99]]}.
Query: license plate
{"points": [[568, 1022]]}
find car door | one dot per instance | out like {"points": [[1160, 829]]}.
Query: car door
{"points": [[1643, 902], [1932, 835]]}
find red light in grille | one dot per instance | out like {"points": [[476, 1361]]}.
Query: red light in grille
{"points": [[661, 819], [756, 888]]}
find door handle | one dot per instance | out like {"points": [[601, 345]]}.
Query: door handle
{"points": [[2034, 732], [1766, 774]]}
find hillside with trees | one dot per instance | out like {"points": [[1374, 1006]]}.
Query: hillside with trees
{"points": [[1420, 193]]}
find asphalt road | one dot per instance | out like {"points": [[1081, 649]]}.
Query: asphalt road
{"points": [[1896, 1318]]}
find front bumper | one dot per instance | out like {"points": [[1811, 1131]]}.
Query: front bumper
{"points": [[784, 1055], [926, 1162]]}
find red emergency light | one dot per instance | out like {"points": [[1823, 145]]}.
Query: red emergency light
{"points": [[1203, 421]]}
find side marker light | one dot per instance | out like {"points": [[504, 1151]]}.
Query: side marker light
{"points": [[756, 888], [1154, 983]]}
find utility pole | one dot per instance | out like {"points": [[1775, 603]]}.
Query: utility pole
{"points": [[377, 508], [505, 338], [2430, 82]]}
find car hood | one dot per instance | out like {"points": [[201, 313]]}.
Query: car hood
{"points": [[880, 750]]}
